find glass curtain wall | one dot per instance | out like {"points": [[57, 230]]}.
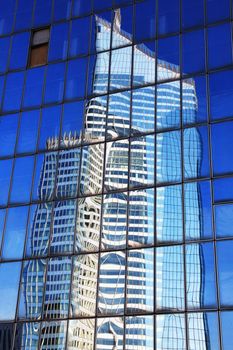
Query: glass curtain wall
{"points": [[116, 167]]}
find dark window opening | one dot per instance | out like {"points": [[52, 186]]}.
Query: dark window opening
{"points": [[39, 48]]}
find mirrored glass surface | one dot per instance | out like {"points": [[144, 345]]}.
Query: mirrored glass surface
{"points": [[42, 12], [168, 16], [219, 46], [140, 281], [54, 88], [121, 62], [170, 278], [28, 132], [81, 334], [168, 62], [84, 285], [15, 231], [19, 50], [33, 91], [123, 26], [143, 64], [226, 322], [5, 178], [8, 133], [13, 91], [215, 12], [225, 274], [53, 332], [111, 287], [50, 128], [110, 331], [144, 20], [192, 13], [62, 9], [4, 47], [170, 331], [118, 121], [141, 218], [223, 189], [79, 37], [58, 44], [139, 332], [114, 221], [9, 276], [198, 211], [24, 12], [76, 79], [193, 56], [7, 16], [169, 220], [30, 332], [223, 220]]}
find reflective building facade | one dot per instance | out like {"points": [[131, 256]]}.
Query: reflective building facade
{"points": [[116, 175]]}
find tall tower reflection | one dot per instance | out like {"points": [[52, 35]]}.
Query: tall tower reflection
{"points": [[125, 282]]}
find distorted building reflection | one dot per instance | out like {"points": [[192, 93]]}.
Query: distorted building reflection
{"points": [[116, 281]]}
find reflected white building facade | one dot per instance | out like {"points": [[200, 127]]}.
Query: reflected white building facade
{"points": [[116, 281]]}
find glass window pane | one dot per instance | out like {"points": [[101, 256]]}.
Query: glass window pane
{"points": [[223, 189], [139, 332], [219, 46], [58, 43], [197, 205], [140, 281], [168, 150], [9, 277], [7, 16], [193, 56], [81, 333], [221, 94], [192, 13], [8, 133], [15, 231], [4, 49], [200, 276], [5, 178], [72, 121], [141, 218], [218, 10], [80, 36], [222, 143], [22, 180], [76, 79], [55, 83], [168, 64], [116, 165], [111, 293], [81, 7], [118, 122], [108, 330], [28, 334], [227, 324], [42, 12], [50, 127], [28, 131], [170, 278], [168, 105], [13, 91], [84, 285], [114, 221], [168, 16], [34, 87], [144, 20], [120, 67], [225, 272], [62, 9], [2, 223], [101, 31], [170, 331], [224, 220], [24, 12], [143, 110], [54, 331], [169, 214], [123, 20], [19, 50], [143, 73]]}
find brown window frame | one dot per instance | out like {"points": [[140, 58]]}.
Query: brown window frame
{"points": [[38, 53]]}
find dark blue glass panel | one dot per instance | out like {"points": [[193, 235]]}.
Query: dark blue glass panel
{"points": [[168, 54], [221, 94], [219, 46], [27, 138], [76, 78], [218, 10], [227, 326], [50, 125], [223, 189], [196, 152], [193, 52], [2, 79], [200, 276], [222, 145], [8, 132], [125, 25], [19, 50], [144, 20], [37, 192], [6, 16], [72, 122], [9, 277], [22, 179], [24, 14], [5, 178], [197, 210], [121, 2], [225, 272], [58, 44], [2, 222], [192, 13], [15, 231], [102, 4], [224, 220], [168, 16], [80, 37], [34, 87], [13, 91], [55, 83], [81, 7], [43, 12], [194, 100], [62, 9], [4, 49]]}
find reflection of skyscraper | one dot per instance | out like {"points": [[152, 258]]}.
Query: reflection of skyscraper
{"points": [[125, 281]]}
